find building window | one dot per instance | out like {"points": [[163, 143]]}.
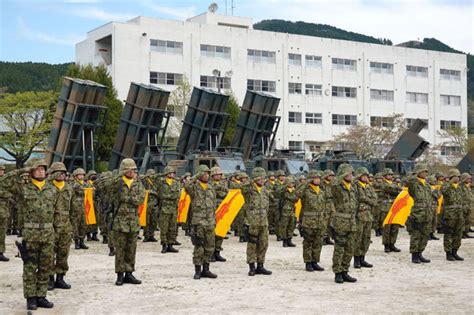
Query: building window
{"points": [[294, 88], [450, 150], [342, 91], [166, 78], [386, 122], [344, 64], [295, 145], [449, 124], [344, 120], [415, 71], [313, 61], [210, 82], [420, 98], [314, 89], [261, 85], [215, 51], [263, 56], [294, 117], [409, 122], [166, 46], [314, 118], [294, 59], [381, 67], [381, 95], [451, 100], [447, 74]]}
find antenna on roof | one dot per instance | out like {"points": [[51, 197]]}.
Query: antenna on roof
{"points": [[213, 7]]}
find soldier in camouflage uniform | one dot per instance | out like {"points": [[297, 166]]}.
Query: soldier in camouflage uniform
{"points": [[38, 200], [288, 214], [326, 184], [63, 219], [239, 219], [419, 222], [256, 197], [466, 203], [343, 224], [92, 229], [105, 208], [80, 226], [221, 192], [278, 188], [270, 184], [4, 213], [168, 191], [152, 208], [312, 219], [366, 199], [377, 211], [389, 190], [203, 222], [435, 194], [127, 194]]}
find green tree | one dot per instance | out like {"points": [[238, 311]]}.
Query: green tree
{"points": [[27, 117], [114, 106], [233, 110]]}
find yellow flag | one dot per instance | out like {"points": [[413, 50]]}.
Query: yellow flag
{"points": [[142, 210], [89, 205], [298, 208], [440, 203], [400, 209], [228, 210], [183, 206]]}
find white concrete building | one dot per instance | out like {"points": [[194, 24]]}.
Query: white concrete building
{"points": [[324, 84]]}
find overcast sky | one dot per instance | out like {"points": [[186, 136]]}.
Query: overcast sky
{"points": [[46, 31]]}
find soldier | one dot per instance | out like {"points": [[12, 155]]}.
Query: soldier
{"points": [[301, 180], [38, 200], [221, 192], [152, 207], [312, 220], [419, 221], [435, 194], [80, 226], [4, 214], [203, 222], [276, 196], [271, 185], [127, 194], [92, 229], [256, 197], [326, 184], [376, 211], [366, 199], [63, 219], [239, 219], [288, 215], [389, 191], [466, 203], [343, 223], [105, 209]]}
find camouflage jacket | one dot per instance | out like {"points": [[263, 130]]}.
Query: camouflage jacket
{"points": [[422, 210], [345, 202], [221, 191], [257, 203], [168, 196], [288, 200], [126, 202], [10, 189], [365, 201], [79, 193], [452, 202], [388, 192], [313, 207], [64, 212], [466, 197], [327, 189], [102, 195], [272, 187], [203, 203]]}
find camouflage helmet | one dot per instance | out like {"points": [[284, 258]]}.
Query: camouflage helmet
{"points": [[2, 167], [243, 175], [270, 174], [453, 173], [168, 170], [150, 171], [439, 174], [127, 165], [387, 171], [280, 173], [106, 174], [465, 177], [90, 174], [290, 179], [378, 175], [57, 167], [187, 174], [420, 168], [315, 173], [78, 171], [301, 177], [258, 173], [216, 170], [37, 162], [344, 169], [202, 168], [328, 173], [431, 179], [361, 171]]}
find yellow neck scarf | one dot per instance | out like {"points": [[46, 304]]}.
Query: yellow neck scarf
{"points": [[388, 181], [90, 182], [455, 185], [127, 181], [203, 185], [362, 184], [290, 189], [81, 181], [259, 189], [169, 181], [281, 182], [346, 184], [59, 185], [38, 183], [271, 182], [149, 181], [315, 188], [468, 185], [422, 180], [327, 182]]}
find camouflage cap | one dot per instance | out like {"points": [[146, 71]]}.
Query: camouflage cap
{"points": [[78, 171], [57, 167], [258, 173], [168, 170], [328, 173], [361, 171], [387, 171], [465, 177], [280, 173], [344, 169], [216, 170], [453, 172]]}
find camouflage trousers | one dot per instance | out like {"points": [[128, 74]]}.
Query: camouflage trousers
{"points": [[168, 228], [390, 231], [92, 228], [271, 215], [80, 226], [37, 268], [312, 244], [327, 219], [434, 220], [104, 227], [13, 218], [125, 251], [467, 219], [257, 245], [3, 232], [362, 237], [218, 243], [287, 226], [204, 248], [239, 223], [62, 244], [376, 214], [419, 237], [343, 251], [151, 221], [453, 234]]}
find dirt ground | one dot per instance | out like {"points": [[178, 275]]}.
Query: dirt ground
{"points": [[394, 285]]}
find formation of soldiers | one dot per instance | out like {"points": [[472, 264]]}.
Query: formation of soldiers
{"points": [[45, 206]]}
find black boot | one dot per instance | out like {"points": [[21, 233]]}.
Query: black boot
{"points": [[76, 244], [171, 249], [394, 249], [328, 241], [94, 237], [164, 247], [278, 239], [378, 232], [357, 262], [449, 256], [456, 256], [261, 270], [423, 259], [206, 273], [176, 243], [241, 239], [119, 280], [197, 272], [51, 283], [3, 257], [415, 258], [433, 237], [252, 269], [317, 267], [285, 242], [15, 232], [290, 243], [82, 245], [111, 251], [31, 304], [130, 278], [364, 263], [43, 303], [60, 283], [309, 267], [104, 239], [347, 278], [218, 256], [213, 257], [338, 278], [387, 248], [88, 237], [466, 235]]}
